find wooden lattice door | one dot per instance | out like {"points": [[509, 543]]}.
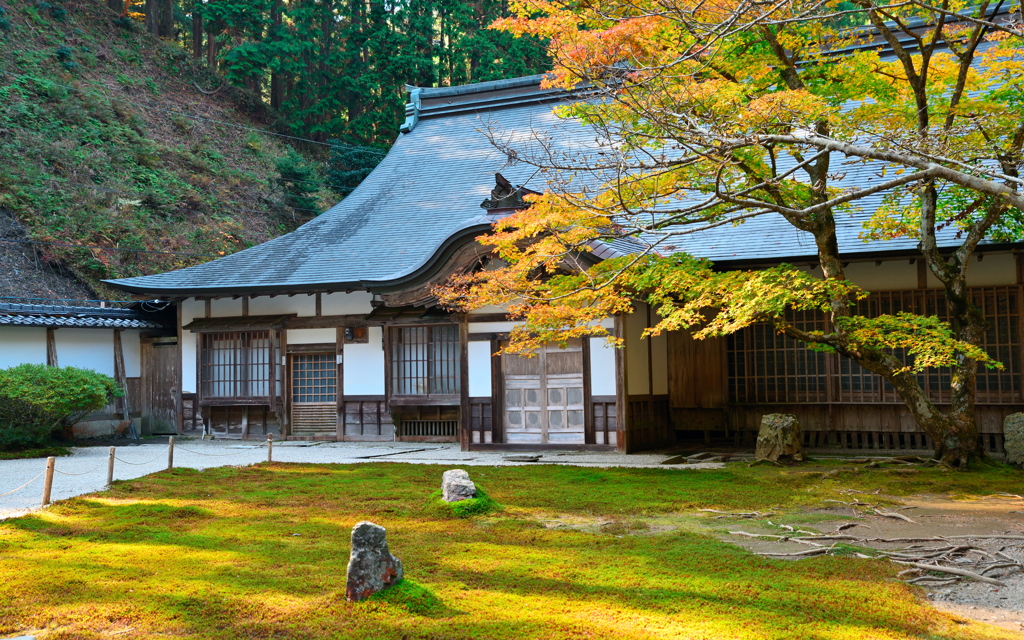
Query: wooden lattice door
{"points": [[314, 394], [544, 396]]}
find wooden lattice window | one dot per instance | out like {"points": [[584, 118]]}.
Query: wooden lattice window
{"points": [[425, 360], [765, 366], [235, 364], [314, 378]]}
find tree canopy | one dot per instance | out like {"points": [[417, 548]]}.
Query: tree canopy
{"points": [[708, 114]]}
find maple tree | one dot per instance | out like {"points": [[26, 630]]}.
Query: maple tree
{"points": [[706, 114]]}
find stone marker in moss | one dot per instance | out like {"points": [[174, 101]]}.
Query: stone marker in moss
{"points": [[779, 439], [371, 567], [1013, 432], [456, 486]]}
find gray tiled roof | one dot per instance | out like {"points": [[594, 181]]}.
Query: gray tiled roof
{"points": [[425, 196], [33, 315]]}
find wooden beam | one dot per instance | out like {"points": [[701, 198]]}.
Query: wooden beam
{"points": [[621, 402], [589, 436], [51, 347], [465, 418], [119, 374], [339, 351], [497, 394]]}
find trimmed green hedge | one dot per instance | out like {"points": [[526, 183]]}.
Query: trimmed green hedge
{"points": [[36, 400]]}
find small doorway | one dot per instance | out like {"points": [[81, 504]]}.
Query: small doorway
{"points": [[314, 378], [544, 396]]}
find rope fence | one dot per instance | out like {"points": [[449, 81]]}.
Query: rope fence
{"points": [[51, 466]]}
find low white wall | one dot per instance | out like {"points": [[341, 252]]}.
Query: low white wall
{"points": [[19, 345], [479, 364], [86, 349], [363, 365]]}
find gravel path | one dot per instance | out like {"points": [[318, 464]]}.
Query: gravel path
{"points": [[85, 471]]}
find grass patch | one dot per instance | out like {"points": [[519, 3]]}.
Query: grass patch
{"points": [[40, 452], [262, 551], [481, 505]]}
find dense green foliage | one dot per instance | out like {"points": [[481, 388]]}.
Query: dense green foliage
{"points": [[480, 505], [36, 399]]}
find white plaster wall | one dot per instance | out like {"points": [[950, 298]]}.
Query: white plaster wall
{"points": [[491, 327], [994, 269], [894, 275], [226, 308], [479, 354], [345, 304], [19, 345], [312, 336], [131, 348], [637, 375], [602, 368], [364, 365], [190, 310], [304, 305], [86, 349]]}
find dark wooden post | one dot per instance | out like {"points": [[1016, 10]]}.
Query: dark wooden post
{"points": [[621, 393], [465, 416], [51, 347]]}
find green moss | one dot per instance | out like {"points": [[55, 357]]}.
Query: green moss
{"points": [[481, 505]]}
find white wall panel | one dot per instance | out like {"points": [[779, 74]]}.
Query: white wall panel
{"points": [[346, 304], [312, 336], [226, 308], [132, 351], [491, 327], [364, 366], [602, 368], [19, 345], [192, 309], [659, 363], [479, 354], [995, 269], [86, 349], [303, 305], [188, 362]]}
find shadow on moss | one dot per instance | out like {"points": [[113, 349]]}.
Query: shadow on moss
{"points": [[481, 505]]}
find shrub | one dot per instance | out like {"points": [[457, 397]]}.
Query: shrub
{"points": [[36, 399]]}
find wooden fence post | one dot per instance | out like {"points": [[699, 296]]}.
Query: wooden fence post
{"points": [[270, 447], [48, 482], [170, 453], [110, 468]]}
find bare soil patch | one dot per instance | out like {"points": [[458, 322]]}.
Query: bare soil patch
{"points": [[921, 523]]}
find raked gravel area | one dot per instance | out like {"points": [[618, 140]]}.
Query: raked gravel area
{"points": [[85, 471]]}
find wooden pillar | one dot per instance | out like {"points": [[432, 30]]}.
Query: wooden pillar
{"points": [[588, 404], [51, 347], [497, 395], [621, 397], [340, 359], [465, 416], [179, 401], [120, 376]]}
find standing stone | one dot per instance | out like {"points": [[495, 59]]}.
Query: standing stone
{"points": [[779, 439], [371, 567], [456, 486], [1013, 432]]}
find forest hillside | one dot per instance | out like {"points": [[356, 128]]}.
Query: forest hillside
{"points": [[139, 137]]}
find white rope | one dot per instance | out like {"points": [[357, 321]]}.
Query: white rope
{"points": [[79, 474], [22, 486], [215, 455], [138, 463]]}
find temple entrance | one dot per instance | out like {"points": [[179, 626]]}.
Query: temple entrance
{"points": [[544, 396]]}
